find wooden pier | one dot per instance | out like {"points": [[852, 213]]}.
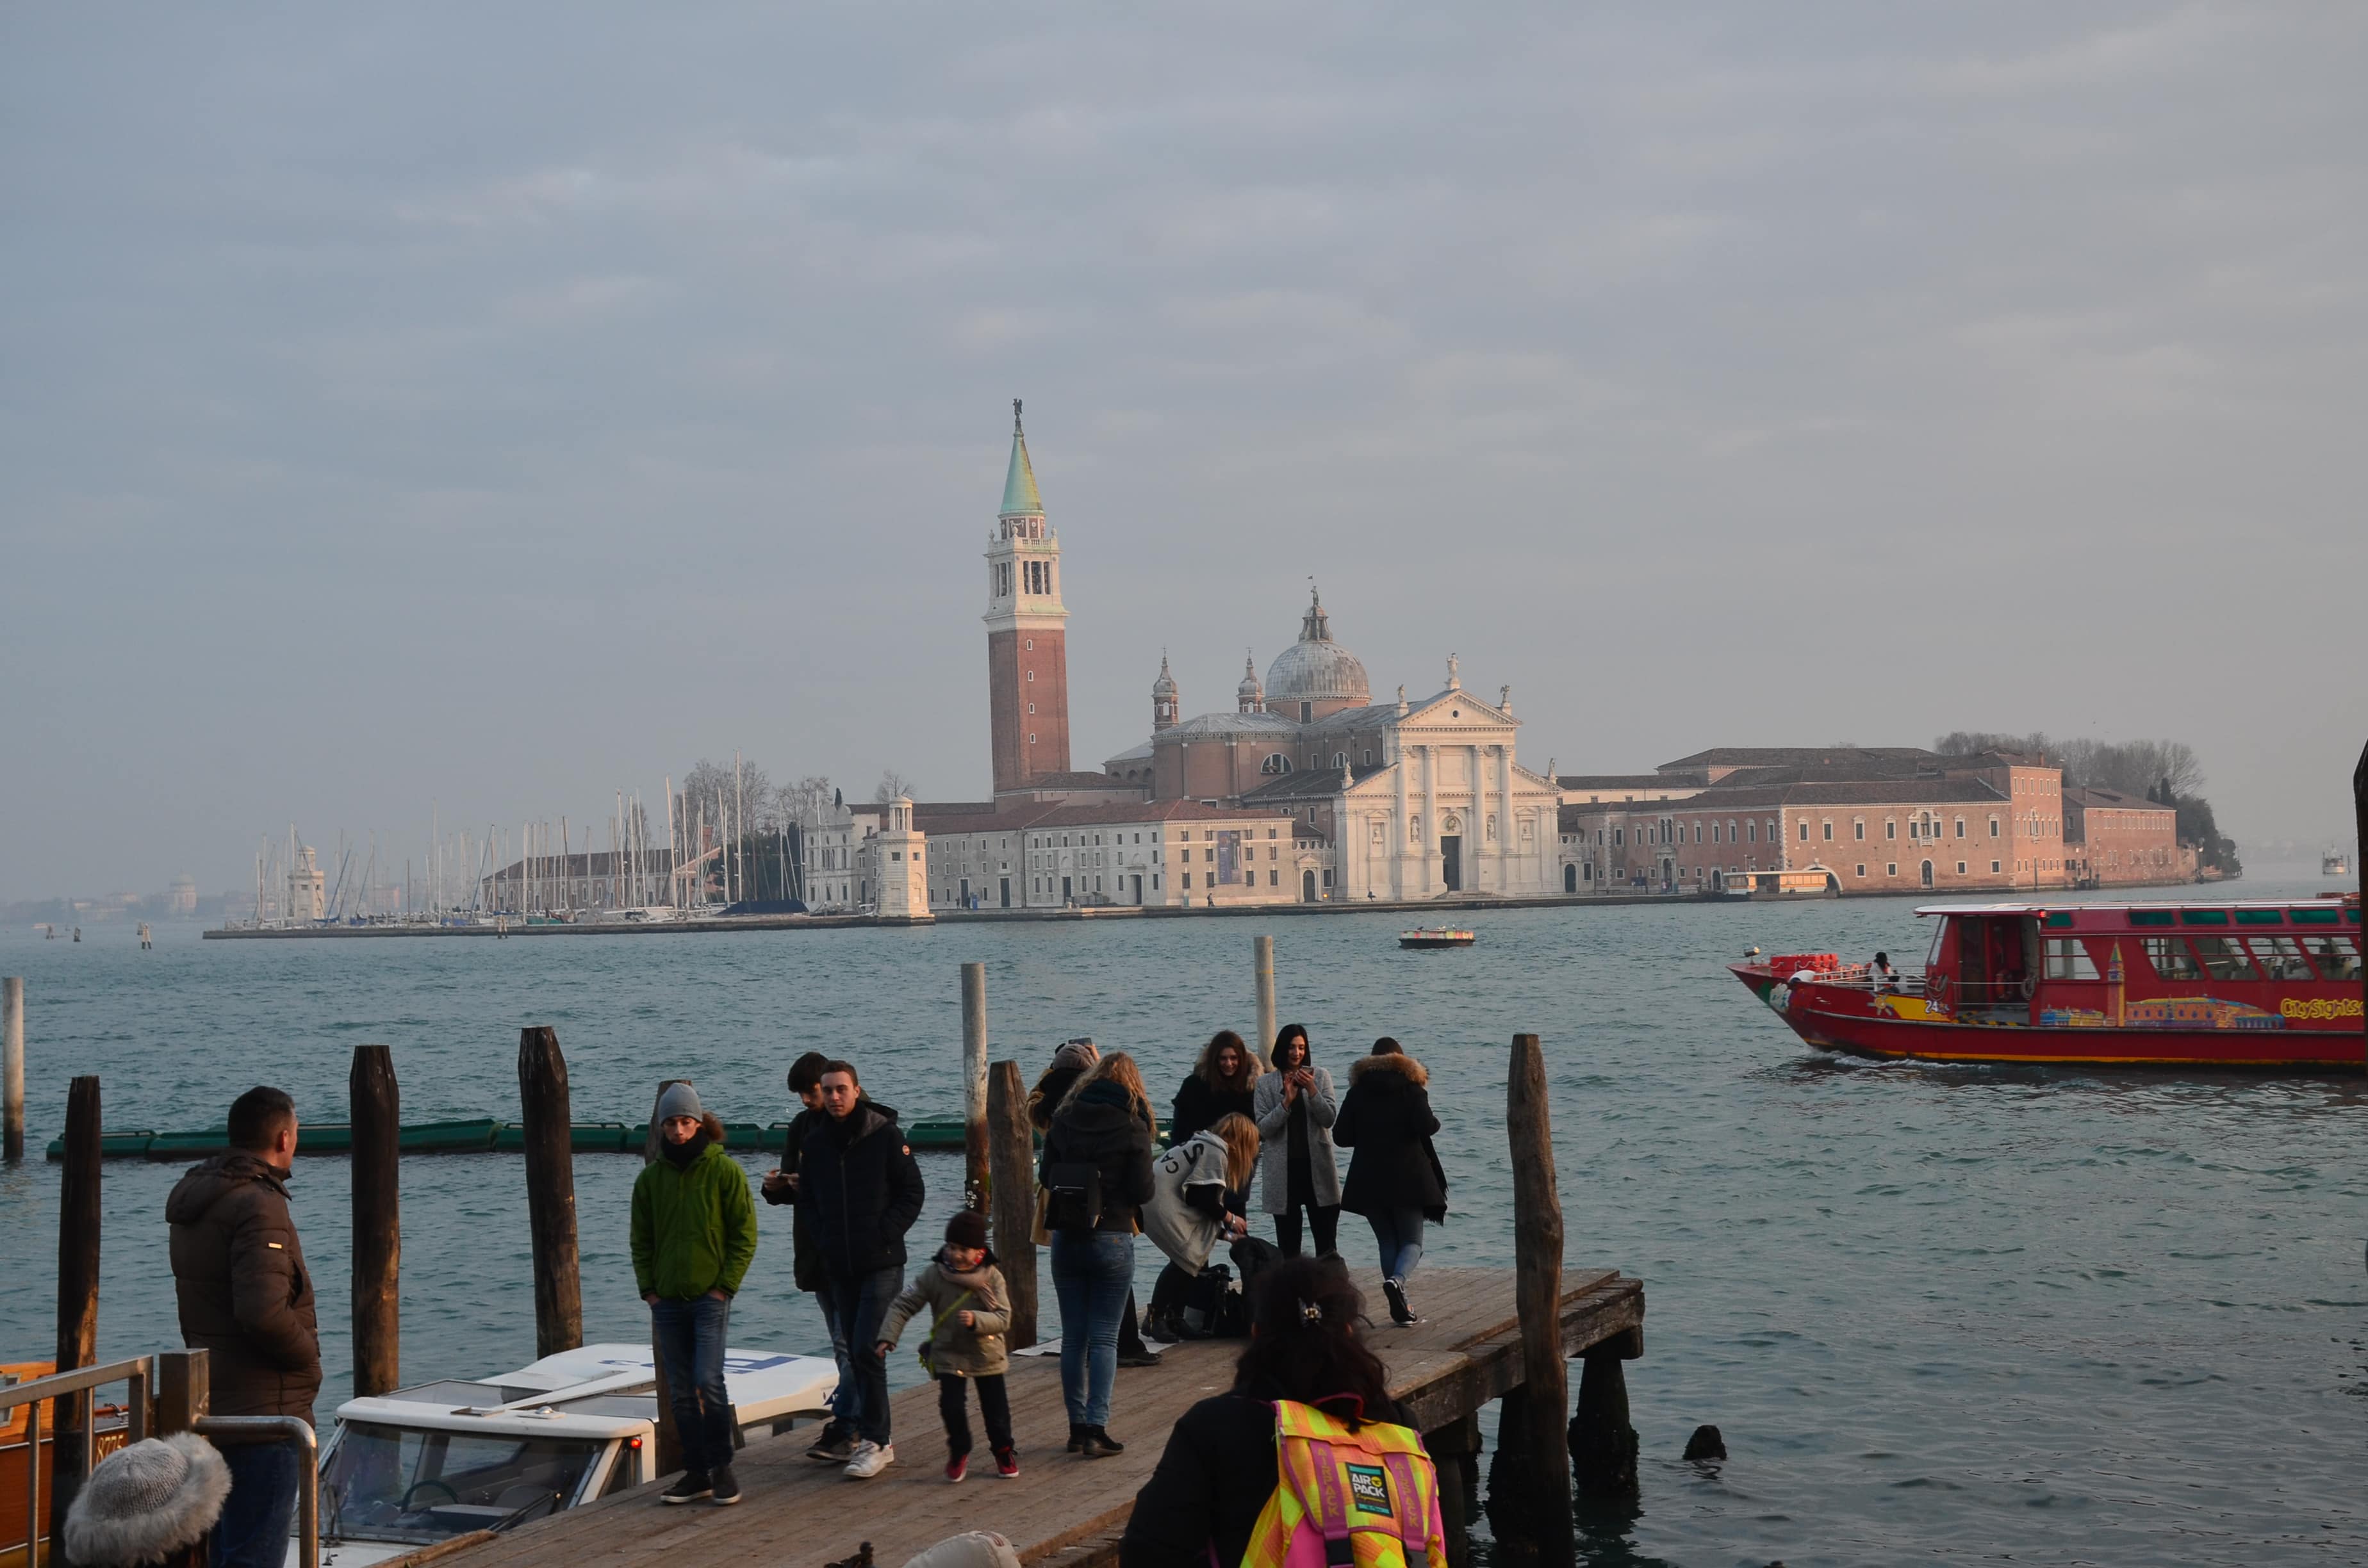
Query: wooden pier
{"points": [[1063, 1510]]}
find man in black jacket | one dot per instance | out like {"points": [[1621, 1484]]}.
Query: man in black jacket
{"points": [[247, 1300], [859, 1191], [836, 1443]]}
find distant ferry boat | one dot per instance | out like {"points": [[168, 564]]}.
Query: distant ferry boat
{"points": [[2334, 863], [2254, 985], [1437, 937]]}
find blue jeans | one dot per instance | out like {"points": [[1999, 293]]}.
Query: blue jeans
{"points": [[691, 1342], [253, 1530], [1092, 1272], [1399, 1232], [842, 1397], [857, 1306]]}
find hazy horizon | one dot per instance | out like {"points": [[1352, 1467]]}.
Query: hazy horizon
{"points": [[492, 411]]}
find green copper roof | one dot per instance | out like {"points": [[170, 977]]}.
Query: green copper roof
{"points": [[1019, 485]]}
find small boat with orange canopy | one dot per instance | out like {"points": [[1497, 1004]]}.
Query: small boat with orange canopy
{"points": [[2271, 986]]}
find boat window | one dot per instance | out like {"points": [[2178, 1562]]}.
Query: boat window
{"points": [[2338, 956], [1940, 935], [404, 1483], [2068, 959], [2170, 958], [2280, 958], [2149, 916], [2204, 917], [2324, 916], [2059, 917], [2260, 917], [2224, 957]]}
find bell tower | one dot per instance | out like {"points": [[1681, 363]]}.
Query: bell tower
{"points": [[1027, 653]]}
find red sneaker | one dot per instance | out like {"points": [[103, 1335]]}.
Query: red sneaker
{"points": [[957, 1467], [1006, 1463]]}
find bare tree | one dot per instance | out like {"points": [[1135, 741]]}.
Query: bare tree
{"points": [[892, 784]]}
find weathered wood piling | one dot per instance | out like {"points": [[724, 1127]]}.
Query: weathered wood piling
{"points": [[1262, 968], [376, 1113], [1539, 1430], [12, 1068], [78, 1232], [1012, 1183], [550, 1191], [975, 1134]]}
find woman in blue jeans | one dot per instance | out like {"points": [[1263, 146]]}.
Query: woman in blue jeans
{"points": [[1394, 1181], [1097, 1175]]}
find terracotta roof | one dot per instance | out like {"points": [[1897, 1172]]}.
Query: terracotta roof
{"points": [[1892, 791], [1308, 782], [1794, 756], [1035, 817], [2095, 797], [1075, 779]]}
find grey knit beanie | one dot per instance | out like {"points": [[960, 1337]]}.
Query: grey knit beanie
{"points": [[146, 1500], [680, 1099]]}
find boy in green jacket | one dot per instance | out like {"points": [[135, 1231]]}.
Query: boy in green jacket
{"points": [[694, 1235]]}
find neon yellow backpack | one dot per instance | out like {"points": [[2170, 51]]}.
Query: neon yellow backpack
{"points": [[1366, 1498]]}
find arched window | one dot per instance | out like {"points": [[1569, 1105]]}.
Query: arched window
{"points": [[1275, 763], [1339, 759]]}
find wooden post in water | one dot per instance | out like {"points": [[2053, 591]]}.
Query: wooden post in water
{"points": [[550, 1191], [1537, 1296], [1602, 1443], [1262, 963], [669, 1458], [1012, 1180], [12, 1068], [974, 1161], [78, 1218], [377, 1117]]}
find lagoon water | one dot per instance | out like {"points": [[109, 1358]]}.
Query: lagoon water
{"points": [[1948, 1314]]}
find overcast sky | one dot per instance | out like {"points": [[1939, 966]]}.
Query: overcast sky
{"points": [[500, 407]]}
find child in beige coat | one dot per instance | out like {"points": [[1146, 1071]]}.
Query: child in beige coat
{"points": [[969, 1310]]}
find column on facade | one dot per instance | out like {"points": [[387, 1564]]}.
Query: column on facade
{"points": [[1429, 817], [1508, 844], [1398, 828], [1477, 838]]}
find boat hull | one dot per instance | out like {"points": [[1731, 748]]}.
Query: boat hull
{"points": [[1845, 1017]]}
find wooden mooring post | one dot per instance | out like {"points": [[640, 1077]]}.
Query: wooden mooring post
{"points": [[551, 1191], [975, 1145], [12, 1068], [1262, 965], [376, 1112], [78, 1223], [1012, 1180], [1531, 1427]]}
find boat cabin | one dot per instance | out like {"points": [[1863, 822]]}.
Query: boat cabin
{"points": [[424, 1464], [2243, 966]]}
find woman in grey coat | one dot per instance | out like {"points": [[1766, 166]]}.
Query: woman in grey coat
{"points": [[1293, 1108]]}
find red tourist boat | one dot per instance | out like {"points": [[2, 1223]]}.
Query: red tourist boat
{"points": [[2253, 985]]}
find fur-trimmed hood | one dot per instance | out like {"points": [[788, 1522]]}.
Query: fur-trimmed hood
{"points": [[146, 1500], [1414, 1072]]}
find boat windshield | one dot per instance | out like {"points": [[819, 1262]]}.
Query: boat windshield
{"points": [[409, 1485]]}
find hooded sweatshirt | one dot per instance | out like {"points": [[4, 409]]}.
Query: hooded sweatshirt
{"points": [[694, 1226], [1187, 1200], [941, 1291], [245, 1298]]}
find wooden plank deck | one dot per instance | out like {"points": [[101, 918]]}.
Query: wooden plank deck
{"points": [[1062, 1511]]}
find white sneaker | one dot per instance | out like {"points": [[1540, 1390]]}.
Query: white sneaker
{"points": [[870, 1459]]}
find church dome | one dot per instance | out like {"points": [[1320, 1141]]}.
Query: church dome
{"points": [[1316, 669]]}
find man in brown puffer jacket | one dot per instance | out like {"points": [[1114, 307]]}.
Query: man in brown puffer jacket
{"points": [[247, 1300]]}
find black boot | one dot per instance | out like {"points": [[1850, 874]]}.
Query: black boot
{"points": [[1076, 1438], [1099, 1444]]}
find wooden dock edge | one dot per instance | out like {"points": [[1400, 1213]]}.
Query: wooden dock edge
{"points": [[1604, 1306]]}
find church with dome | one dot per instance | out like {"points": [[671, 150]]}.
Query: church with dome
{"points": [[1409, 798]]}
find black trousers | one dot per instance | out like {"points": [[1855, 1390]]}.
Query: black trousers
{"points": [[1130, 1337], [954, 1408], [1327, 1220]]}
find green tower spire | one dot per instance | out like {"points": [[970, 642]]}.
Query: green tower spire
{"points": [[1020, 484]]}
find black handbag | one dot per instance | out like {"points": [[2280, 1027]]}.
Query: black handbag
{"points": [[1073, 1195]]}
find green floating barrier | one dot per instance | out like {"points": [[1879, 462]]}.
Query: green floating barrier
{"points": [[449, 1137], [603, 1138], [192, 1145], [325, 1137], [935, 1133], [743, 1135]]}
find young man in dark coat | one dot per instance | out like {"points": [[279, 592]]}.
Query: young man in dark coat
{"points": [[860, 1191], [836, 1443], [1394, 1181], [247, 1300]]}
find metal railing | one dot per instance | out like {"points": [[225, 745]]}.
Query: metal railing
{"points": [[140, 1374]]}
